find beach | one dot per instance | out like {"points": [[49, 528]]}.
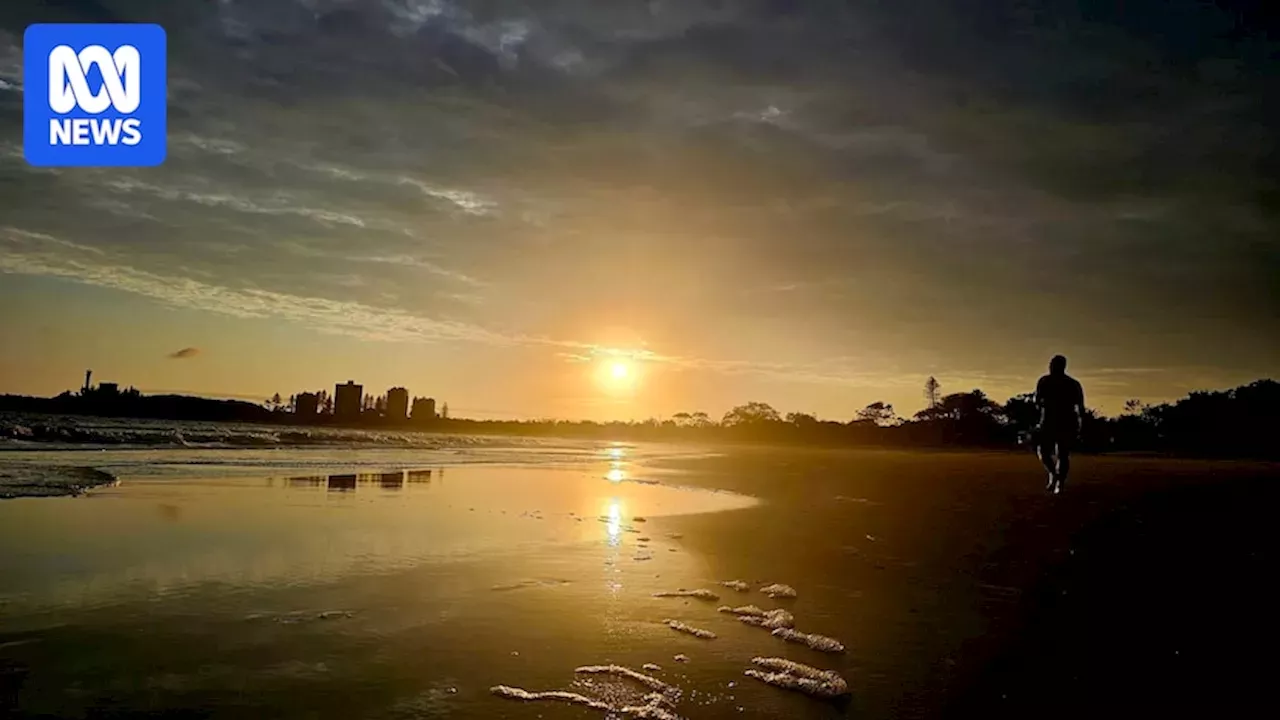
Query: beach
{"points": [[375, 582]]}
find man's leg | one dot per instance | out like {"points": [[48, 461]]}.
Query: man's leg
{"points": [[1064, 462], [1045, 450]]}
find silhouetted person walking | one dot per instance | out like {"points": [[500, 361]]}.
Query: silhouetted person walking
{"points": [[1060, 400]]}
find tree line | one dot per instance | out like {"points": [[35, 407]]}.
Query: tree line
{"points": [[1240, 422]]}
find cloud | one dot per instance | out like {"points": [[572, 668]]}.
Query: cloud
{"points": [[184, 353], [408, 261], [326, 315], [275, 206], [42, 255], [465, 201]]}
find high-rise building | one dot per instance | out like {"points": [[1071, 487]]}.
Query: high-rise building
{"points": [[397, 404], [306, 404], [424, 409], [347, 400]]}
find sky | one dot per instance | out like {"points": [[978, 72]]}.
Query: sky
{"points": [[812, 204]]}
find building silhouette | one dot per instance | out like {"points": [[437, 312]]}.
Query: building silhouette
{"points": [[109, 388], [424, 409], [306, 405], [347, 400], [397, 404]]}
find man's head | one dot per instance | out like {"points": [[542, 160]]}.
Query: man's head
{"points": [[1058, 365]]}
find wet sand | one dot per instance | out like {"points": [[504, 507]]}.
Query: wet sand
{"points": [[963, 590], [956, 586]]}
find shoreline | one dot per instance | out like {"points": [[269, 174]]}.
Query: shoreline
{"points": [[912, 436]]}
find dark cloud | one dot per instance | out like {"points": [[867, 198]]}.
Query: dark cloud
{"points": [[184, 354]]}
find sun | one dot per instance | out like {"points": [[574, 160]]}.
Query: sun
{"points": [[619, 370], [618, 375]]}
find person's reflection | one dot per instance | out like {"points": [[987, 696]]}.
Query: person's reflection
{"points": [[342, 483]]}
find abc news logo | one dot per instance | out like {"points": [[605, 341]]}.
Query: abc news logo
{"points": [[69, 89], [95, 95]]}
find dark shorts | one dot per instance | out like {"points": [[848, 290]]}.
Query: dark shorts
{"points": [[1055, 440]]}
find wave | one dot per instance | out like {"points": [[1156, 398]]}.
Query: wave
{"points": [[21, 480], [16, 431]]}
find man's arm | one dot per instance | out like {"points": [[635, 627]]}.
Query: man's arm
{"points": [[1038, 400], [1079, 407]]}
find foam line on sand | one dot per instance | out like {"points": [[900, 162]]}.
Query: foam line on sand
{"points": [[778, 590], [648, 681], [691, 630], [821, 643], [515, 693], [699, 594], [791, 675], [752, 615]]}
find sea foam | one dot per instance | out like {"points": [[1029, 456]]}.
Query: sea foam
{"points": [[821, 643], [796, 676], [768, 619], [649, 712], [747, 610], [691, 630], [681, 592], [778, 590], [515, 693], [738, 585], [648, 681]]}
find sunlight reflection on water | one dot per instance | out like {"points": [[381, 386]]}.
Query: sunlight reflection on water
{"points": [[613, 529]]}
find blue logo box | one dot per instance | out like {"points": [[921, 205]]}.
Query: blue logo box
{"points": [[94, 95]]}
